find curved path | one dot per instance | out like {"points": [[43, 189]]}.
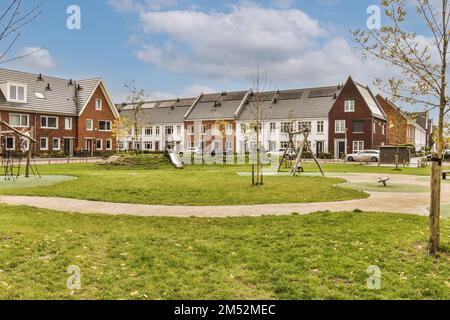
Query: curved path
{"points": [[409, 203]]}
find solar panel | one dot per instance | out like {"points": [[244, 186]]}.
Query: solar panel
{"points": [[290, 95], [166, 104], [322, 93], [210, 97], [233, 96]]}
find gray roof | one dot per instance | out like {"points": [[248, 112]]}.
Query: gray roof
{"points": [[161, 112], [299, 104], [217, 106], [59, 99]]}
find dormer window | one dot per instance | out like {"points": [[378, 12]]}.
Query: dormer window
{"points": [[98, 104], [17, 93]]}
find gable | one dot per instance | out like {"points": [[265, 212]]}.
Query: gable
{"points": [[100, 92]]}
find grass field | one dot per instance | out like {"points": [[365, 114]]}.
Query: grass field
{"points": [[195, 185], [321, 256]]}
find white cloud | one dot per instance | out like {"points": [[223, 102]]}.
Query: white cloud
{"points": [[36, 59]]}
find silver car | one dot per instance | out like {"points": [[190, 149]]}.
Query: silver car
{"points": [[364, 156]]}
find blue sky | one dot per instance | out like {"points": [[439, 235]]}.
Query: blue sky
{"points": [[180, 47]]}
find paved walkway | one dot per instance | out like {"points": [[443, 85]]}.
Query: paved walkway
{"points": [[410, 203]]}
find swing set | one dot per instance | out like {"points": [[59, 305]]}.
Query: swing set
{"points": [[299, 149], [8, 156]]}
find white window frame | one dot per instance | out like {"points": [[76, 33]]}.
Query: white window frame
{"points": [[46, 143], [106, 122], [340, 124], [202, 130], [158, 130], [46, 126], [98, 104], [91, 127], [229, 129], [191, 130], [229, 146], [20, 115], [110, 143], [358, 144], [320, 126], [167, 129], [349, 105], [59, 144], [101, 144], [17, 86], [273, 128], [66, 127], [179, 130]]}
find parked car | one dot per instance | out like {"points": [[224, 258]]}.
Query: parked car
{"points": [[290, 154], [364, 156], [191, 151]]}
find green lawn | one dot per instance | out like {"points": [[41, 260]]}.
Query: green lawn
{"points": [[320, 256], [195, 185]]}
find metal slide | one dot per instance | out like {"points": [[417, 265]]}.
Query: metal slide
{"points": [[176, 161]]}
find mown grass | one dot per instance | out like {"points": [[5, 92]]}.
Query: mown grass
{"points": [[195, 185], [321, 256]]}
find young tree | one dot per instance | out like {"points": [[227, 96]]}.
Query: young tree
{"points": [[14, 16], [259, 81], [135, 101], [422, 65]]}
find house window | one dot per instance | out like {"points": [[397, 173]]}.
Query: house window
{"points": [[243, 128], [56, 142], [19, 120], [203, 130], [17, 93], [191, 130], [286, 127], [49, 122], [148, 145], [284, 144], [179, 130], [169, 130], [99, 144], [383, 129], [215, 130], [273, 127], [148, 131], [358, 146], [109, 145], [320, 127], [158, 130], [374, 127], [229, 145], [104, 125], [10, 143], [339, 126], [272, 145], [305, 125], [230, 129], [358, 126], [98, 104], [44, 144], [89, 124], [349, 105], [68, 123], [191, 144]]}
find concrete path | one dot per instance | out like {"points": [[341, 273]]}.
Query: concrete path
{"points": [[409, 203]]}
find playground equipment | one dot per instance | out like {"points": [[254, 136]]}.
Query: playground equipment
{"points": [[303, 145], [176, 161], [8, 156]]}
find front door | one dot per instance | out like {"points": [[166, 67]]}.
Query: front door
{"points": [[340, 149], [319, 148], [89, 148], [157, 146], [68, 147]]}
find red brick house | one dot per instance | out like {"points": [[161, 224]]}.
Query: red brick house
{"points": [[356, 121], [64, 116]]}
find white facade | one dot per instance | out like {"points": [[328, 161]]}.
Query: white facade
{"points": [[155, 137], [420, 138], [274, 138]]}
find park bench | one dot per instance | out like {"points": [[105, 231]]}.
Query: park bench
{"points": [[384, 181], [444, 174]]}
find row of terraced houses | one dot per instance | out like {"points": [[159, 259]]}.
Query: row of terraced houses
{"points": [[68, 116], [65, 116], [341, 119]]}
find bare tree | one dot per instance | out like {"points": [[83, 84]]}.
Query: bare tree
{"points": [[259, 81], [135, 101], [14, 16], [423, 69]]}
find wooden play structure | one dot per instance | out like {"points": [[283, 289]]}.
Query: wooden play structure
{"points": [[9, 156], [298, 148]]}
